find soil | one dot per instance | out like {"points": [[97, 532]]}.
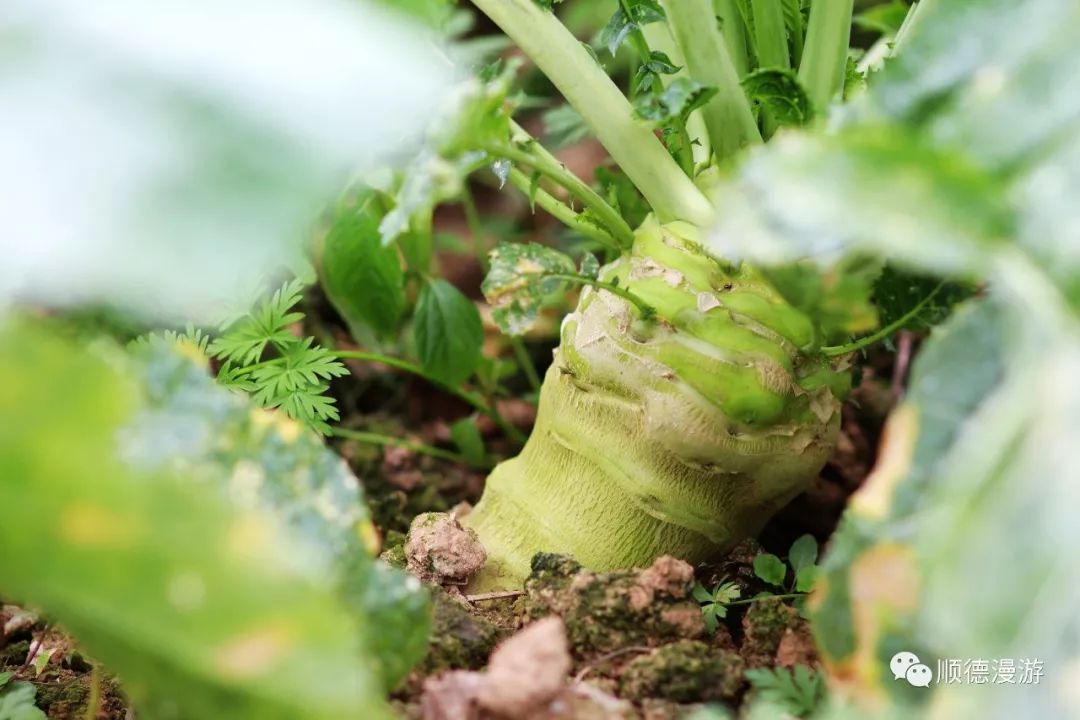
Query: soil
{"points": [[64, 684]]}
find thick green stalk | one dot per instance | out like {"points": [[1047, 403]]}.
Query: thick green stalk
{"points": [[825, 54], [797, 37], [728, 115], [734, 31], [771, 34], [680, 435], [772, 48], [631, 143]]}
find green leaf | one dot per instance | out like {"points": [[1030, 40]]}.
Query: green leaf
{"points": [[770, 568], [648, 73], [448, 332], [726, 591], [296, 380], [855, 81], [680, 98], [712, 614], [798, 691], [805, 577], [779, 93], [838, 297], [520, 278], [803, 552], [245, 340], [885, 18], [701, 593], [898, 293], [563, 126], [622, 194], [466, 435], [362, 277], [621, 24], [41, 660], [290, 474], [590, 266], [17, 702], [302, 366]]}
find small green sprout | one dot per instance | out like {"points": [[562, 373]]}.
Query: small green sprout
{"points": [[802, 557], [714, 603], [797, 691]]}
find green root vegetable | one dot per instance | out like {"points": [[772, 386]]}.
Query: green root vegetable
{"points": [[679, 434]]}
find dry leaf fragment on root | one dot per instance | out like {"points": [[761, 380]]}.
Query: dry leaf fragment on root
{"points": [[440, 551]]}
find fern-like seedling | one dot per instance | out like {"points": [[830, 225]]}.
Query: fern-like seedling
{"points": [[798, 692], [261, 356], [714, 602], [192, 336]]}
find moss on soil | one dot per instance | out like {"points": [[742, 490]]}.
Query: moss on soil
{"points": [[763, 627], [63, 698], [604, 612], [684, 671], [14, 654], [460, 640]]}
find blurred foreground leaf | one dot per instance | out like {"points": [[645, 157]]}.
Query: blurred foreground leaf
{"points": [[211, 554], [965, 521], [960, 155], [962, 160], [193, 143]]}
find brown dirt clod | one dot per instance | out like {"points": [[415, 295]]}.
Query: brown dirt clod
{"points": [[442, 552], [764, 626], [797, 647], [525, 674], [528, 670]]}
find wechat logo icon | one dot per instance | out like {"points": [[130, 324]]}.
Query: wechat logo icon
{"points": [[906, 666]]}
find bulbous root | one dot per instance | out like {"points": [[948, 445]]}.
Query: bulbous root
{"points": [[679, 435]]}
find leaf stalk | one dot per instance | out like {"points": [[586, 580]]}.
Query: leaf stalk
{"points": [[728, 116], [631, 143]]}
